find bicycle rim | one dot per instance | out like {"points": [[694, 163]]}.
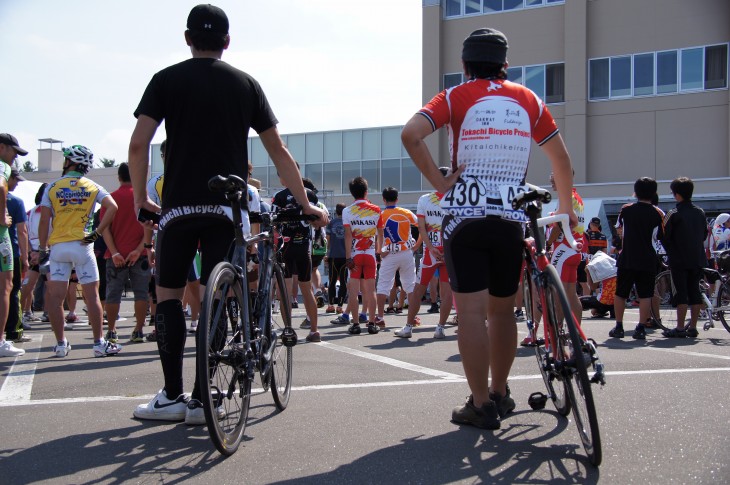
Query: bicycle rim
{"points": [[575, 372], [723, 301], [663, 308], [553, 352], [282, 357], [221, 357]]}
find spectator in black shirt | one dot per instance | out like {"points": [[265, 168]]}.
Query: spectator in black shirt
{"points": [[685, 231], [639, 224]]}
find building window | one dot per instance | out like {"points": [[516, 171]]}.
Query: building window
{"points": [[333, 146], [296, 146], [665, 72], [313, 171], [352, 145], [458, 8], [514, 74], [371, 172], [411, 181], [535, 79], [546, 80], [314, 148], [332, 177], [390, 173], [453, 79], [452, 8], [555, 83], [350, 170]]}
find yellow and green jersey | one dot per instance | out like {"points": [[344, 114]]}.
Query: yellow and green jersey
{"points": [[72, 200], [4, 173]]}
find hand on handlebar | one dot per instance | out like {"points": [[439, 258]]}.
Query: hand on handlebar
{"points": [[322, 217]]}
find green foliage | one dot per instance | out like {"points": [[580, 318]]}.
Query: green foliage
{"points": [[28, 166], [108, 162]]}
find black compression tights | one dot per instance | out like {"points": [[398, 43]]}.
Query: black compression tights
{"points": [[171, 333]]}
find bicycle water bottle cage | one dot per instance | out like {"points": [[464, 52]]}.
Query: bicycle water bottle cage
{"points": [[289, 337], [537, 401]]}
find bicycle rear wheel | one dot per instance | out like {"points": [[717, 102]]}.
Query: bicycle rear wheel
{"points": [[663, 307], [723, 302], [282, 357], [573, 366], [226, 393], [556, 393]]}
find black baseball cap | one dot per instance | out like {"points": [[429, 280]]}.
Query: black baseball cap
{"points": [[10, 140], [485, 45], [208, 18], [596, 221], [15, 173]]}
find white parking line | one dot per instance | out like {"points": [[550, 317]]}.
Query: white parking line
{"points": [[19, 382], [687, 352]]}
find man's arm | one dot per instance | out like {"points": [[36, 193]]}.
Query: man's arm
{"points": [[22, 229], [110, 206], [43, 227], [562, 174], [5, 219], [139, 160]]}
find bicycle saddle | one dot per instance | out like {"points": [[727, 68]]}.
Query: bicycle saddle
{"points": [[227, 185]]}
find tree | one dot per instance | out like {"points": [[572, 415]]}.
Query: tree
{"points": [[28, 166], [108, 162]]}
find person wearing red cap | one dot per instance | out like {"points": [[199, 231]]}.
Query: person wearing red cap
{"points": [[209, 108], [9, 150], [491, 125]]}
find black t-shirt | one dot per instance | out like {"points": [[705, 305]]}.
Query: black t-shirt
{"points": [[294, 232], [208, 107], [684, 237], [642, 223]]}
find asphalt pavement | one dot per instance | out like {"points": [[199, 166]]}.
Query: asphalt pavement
{"points": [[368, 409]]}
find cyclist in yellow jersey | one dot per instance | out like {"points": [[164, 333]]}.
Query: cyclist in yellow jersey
{"points": [[69, 204]]}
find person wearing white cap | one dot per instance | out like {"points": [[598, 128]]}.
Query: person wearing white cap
{"points": [[9, 150], [721, 233]]}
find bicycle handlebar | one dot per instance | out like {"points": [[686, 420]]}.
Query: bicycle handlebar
{"points": [[564, 222]]}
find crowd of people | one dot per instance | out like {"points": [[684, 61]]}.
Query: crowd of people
{"points": [[460, 242]]}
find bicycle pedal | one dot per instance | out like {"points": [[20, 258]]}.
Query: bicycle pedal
{"points": [[289, 337], [537, 401]]}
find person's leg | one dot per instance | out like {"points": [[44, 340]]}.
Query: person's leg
{"points": [[446, 300], [502, 331], [116, 278], [368, 298], [386, 279], [26, 292], [14, 325], [343, 273], [55, 294], [353, 306], [573, 300], [71, 299], [93, 306], [310, 304], [194, 300], [473, 341], [6, 285]]}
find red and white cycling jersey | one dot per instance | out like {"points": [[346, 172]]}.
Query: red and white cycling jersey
{"points": [[491, 125], [429, 210], [363, 219]]}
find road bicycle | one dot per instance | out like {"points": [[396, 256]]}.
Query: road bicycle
{"points": [[715, 292], [564, 354], [244, 329]]}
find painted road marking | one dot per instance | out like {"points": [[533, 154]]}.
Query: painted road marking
{"points": [[19, 382]]}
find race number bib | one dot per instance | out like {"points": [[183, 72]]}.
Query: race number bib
{"points": [[468, 198], [508, 193]]}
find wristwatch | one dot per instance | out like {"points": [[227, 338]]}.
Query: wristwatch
{"points": [[148, 246]]}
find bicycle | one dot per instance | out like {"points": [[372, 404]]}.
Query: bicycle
{"points": [[715, 302], [241, 332], [564, 354]]}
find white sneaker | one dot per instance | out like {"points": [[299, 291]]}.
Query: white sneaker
{"points": [[163, 409], [7, 349], [405, 332], [440, 332], [195, 414], [68, 326], [104, 348], [193, 326], [62, 350]]}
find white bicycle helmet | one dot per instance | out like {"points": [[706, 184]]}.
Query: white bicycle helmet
{"points": [[79, 154]]}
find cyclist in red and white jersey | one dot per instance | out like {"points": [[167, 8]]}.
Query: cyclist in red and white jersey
{"points": [[491, 124]]}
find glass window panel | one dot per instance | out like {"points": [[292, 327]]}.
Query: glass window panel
{"points": [[370, 144], [512, 4], [331, 177], [274, 182], [472, 7], [411, 176], [666, 72], [352, 145], [692, 69], [535, 79], [350, 170], [295, 144], [453, 79], [453, 8], [598, 88], [315, 149], [371, 172], [643, 74], [333, 147], [390, 173], [620, 76], [514, 74], [259, 157], [555, 1], [261, 173], [716, 66], [492, 6], [391, 142], [313, 171], [555, 83], [531, 3]]}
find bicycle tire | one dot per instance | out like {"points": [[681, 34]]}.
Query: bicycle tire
{"points": [[723, 301], [282, 357], [553, 354], [663, 308], [575, 371], [221, 356], [541, 354]]}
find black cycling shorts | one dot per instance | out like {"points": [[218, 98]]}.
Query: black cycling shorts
{"points": [[483, 254], [687, 285], [177, 242], [582, 275], [627, 278], [297, 260]]}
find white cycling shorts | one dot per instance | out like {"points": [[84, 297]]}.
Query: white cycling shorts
{"points": [[403, 262], [67, 256]]}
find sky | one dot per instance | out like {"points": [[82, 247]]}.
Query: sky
{"points": [[75, 70]]}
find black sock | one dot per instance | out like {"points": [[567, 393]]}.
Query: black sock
{"points": [[171, 334], [619, 324]]}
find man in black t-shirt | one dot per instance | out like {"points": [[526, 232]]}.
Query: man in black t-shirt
{"points": [[208, 107], [641, 223], [685, 231]]}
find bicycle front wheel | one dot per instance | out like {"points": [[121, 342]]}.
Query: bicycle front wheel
{"points": [[723, 303], [573, 361], [663, 306], [282, 357], [221, 356]]}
